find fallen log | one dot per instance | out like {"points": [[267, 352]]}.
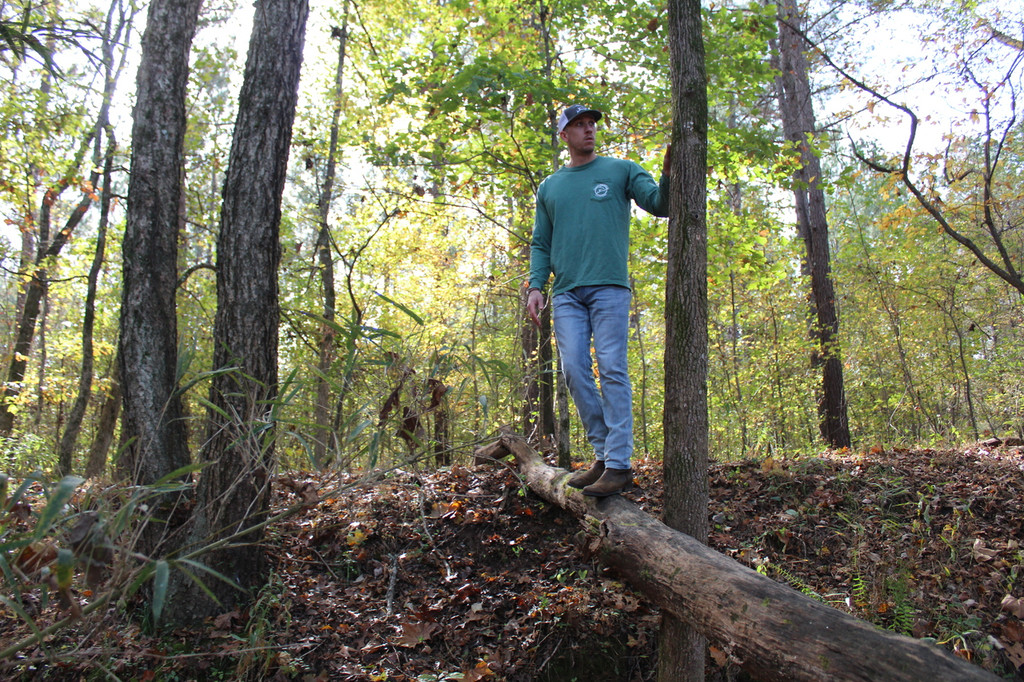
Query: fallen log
{"points": [[775, 632]]}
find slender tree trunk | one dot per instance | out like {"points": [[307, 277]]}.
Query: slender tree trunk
{"points": [[735, 194], [354, 324], [895, 321], [106, 426], [322, 411], [66, 447], [564, 421], [780, 419], [948, 308], [234, 489], [634, 322], [32, 241], [36, 291], [153, 424], [798, 126], [118, 23], [539, 407], [681, 649], [40, 406], [529, 340]]}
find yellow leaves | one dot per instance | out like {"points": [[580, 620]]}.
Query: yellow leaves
{"points": [[89, 190], [450, 510], [480, 671], [356, 537]]}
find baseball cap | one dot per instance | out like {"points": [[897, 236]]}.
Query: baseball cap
{"points": [[572, 112]]}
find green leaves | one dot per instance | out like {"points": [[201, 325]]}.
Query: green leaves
{"points": [[161, 575], [55, 505], [20, 38]]}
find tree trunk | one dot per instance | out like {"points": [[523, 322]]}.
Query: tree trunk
{"points": [[234, 489], [118, 23], [529, 340], [797, 114], [96, 459], [542, 387], [35, 292], [153, 421], [322, 412], [681, 648], [66, 447], [563, 422], [774, 631]]}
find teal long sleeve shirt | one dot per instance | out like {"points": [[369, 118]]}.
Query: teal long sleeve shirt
{"points": [[581, 226]]}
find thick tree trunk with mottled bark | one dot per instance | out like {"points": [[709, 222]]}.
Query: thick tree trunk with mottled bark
{"points": [[234, 489], [153, 420], [797, 113], [775, 632]]}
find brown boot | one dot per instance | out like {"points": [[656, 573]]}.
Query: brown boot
{"points": [[584, 477], [612, 482]]}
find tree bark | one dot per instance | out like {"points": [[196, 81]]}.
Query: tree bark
{"points": [[797, 114], [118, 23], [233, 492], [153, 419], [66, 446], [538, 352], [681, 648], [322, 412], [110, 410], [774, 631], [36, 291]]}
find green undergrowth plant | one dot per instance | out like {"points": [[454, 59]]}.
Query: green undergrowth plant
{"points": [[68, 549], [27, 452], [263, 659]]}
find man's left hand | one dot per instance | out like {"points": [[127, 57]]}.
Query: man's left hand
{"points": [[535, 302]]}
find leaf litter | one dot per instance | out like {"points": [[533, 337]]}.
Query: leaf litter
{"points": [[463, 574]]}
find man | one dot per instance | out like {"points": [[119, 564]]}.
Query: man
{"points": [[581, 234]]}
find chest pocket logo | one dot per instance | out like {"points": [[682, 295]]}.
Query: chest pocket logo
{"points": [[600, 190]]}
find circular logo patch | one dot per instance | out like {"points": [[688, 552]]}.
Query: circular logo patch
{"points": [[600, 190]]}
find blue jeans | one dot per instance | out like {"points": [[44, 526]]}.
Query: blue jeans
{"points": [[601, 314]]}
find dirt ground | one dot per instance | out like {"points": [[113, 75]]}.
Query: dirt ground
{"points": [[463, 574]]}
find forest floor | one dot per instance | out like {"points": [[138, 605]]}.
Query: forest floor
{"points": [[463, 574]]}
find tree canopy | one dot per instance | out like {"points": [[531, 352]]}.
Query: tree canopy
{"points": [[444, 118]]}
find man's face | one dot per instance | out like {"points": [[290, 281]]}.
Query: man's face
{"points": [[580, 134]]}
